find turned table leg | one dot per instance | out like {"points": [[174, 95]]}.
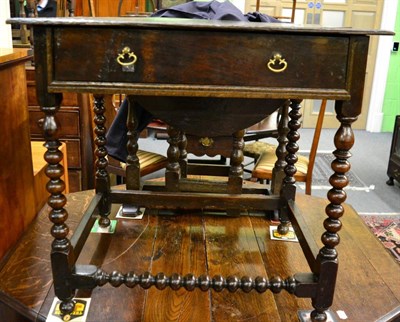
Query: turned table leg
{"points": [[235, 182], [132, 160], [235, 179], [62, 259], [183, 160], [278, 172], [102, 177], [173, 170], [288, 190], [327, 257]]}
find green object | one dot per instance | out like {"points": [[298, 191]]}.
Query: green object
{"points": [[391, 102], [97, 229]]}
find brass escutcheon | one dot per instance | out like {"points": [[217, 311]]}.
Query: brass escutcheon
{"points": [[130, 55], [277, 60], [206, 142]]}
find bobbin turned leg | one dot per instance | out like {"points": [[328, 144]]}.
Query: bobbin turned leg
{"points": [[278, 172], [62, 252], [102, 177], [288, 191], [327, 257], [62, 260]]}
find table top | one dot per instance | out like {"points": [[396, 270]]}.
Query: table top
{"points": [[148, 22]]}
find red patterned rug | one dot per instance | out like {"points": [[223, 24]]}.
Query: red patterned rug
{"points": [[387, 229]]}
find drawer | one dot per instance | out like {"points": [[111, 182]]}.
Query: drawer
{"points": [[209, 146], [68, 121], [194, 57]]}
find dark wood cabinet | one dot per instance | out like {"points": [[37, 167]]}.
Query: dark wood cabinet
{"points": [[75, 130], [393, 170]]}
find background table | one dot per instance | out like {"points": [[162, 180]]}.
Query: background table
{"points": [[367, 290]]}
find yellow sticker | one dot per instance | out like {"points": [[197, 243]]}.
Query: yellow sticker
{"points": [[289, 235], [79, 314]]}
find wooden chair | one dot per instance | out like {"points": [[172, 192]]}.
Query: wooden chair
{"points": [[150, 162], [267, 128], [263, 170]]}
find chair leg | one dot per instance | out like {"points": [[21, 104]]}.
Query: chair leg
{"points": [[308, 188]]}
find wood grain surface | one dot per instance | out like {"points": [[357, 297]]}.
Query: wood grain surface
{"points": [[16, 172], [367, 286]]}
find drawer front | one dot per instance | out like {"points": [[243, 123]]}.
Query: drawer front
{"points": [[68, 120], [191, 57], [209, 146]]}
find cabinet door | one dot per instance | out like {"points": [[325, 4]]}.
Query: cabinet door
{"points": [[346, 13]]}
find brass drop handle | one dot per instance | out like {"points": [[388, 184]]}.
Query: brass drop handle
{"points": [[206, 142], [277, 60], [126, 54]]}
